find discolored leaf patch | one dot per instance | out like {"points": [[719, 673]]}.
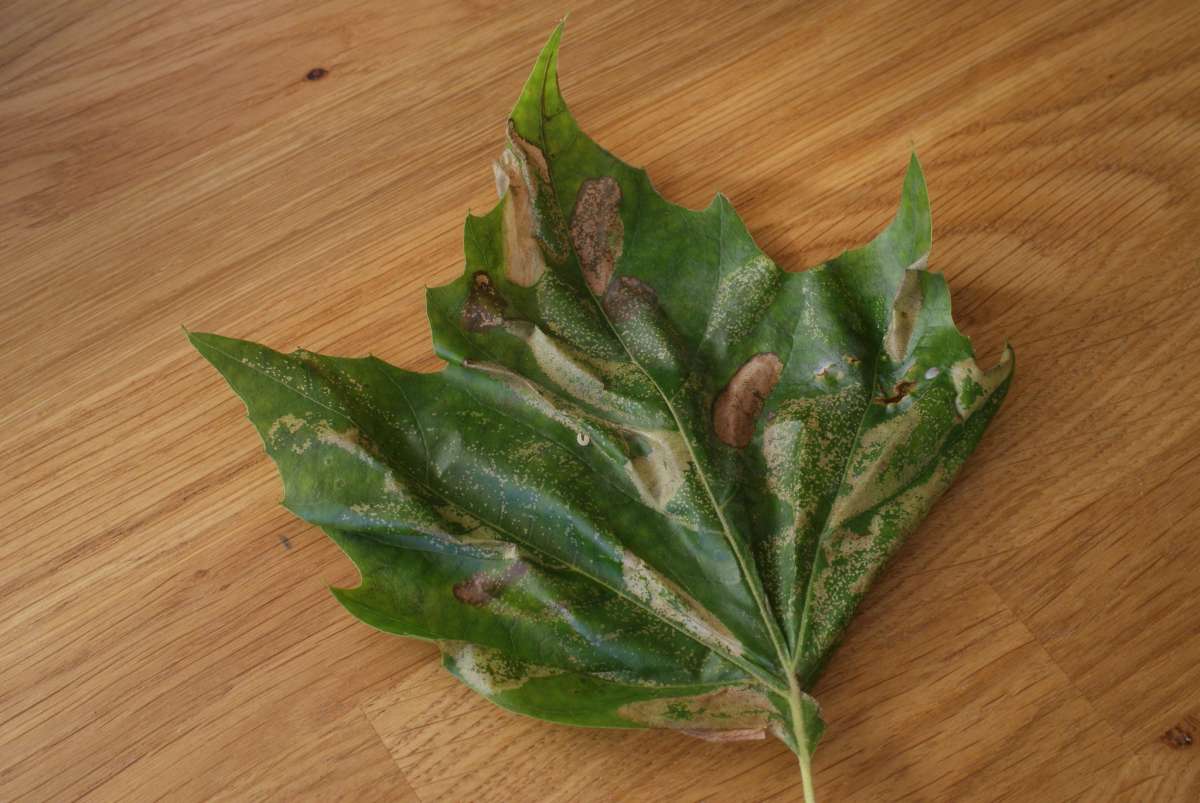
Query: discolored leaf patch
{"points": [[897, 393], [906, 309], [627, 298], [483, 587], [738, 713], [736, 412], [597, 232], [484, 308], [518, 186]]}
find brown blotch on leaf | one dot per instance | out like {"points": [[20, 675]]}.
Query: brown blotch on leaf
{"points": [[532, 153], [901, 390], [736, 410], [485, 306], [524, 164], [525, 261], [627, 298], [905, 310], [481, 588], [597, 231]]}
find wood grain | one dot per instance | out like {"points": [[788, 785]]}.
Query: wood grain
{"points": [[166, 628]]}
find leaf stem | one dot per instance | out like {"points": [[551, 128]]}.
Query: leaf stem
{"points": [[803, 753], [806, 779]]}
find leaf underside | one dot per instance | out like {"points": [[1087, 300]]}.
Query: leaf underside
{"points": [[658, 473]]}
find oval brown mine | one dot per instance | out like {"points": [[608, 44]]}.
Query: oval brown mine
{"points": [[741, 402], [597, 231]]}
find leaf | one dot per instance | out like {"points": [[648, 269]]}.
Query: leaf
{"points": [[658, 473]]}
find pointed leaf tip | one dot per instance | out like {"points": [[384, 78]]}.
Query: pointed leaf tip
{"points": [[910, 234], [540, 91], [914, 180]]}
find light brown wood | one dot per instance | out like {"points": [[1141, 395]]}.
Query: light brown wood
{"points": [[166, 630]]}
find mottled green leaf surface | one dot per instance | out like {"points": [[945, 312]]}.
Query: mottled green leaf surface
{"points": [[658, 473]]}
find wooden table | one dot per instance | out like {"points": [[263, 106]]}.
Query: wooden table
{"points": [[166, 629]]}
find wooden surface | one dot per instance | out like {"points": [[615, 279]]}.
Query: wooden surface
{"points": [[166, 631]]}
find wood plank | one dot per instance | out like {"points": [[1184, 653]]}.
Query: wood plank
{"points": [[167, 629]]}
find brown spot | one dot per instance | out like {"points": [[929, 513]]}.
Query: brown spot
{"points": [[533, 154], [316, 74], [1180, 736], [597, 231], [852, 360], [905, 310], [740, 403], [485, 306], [627, 298], [523, 162], [525, 261], [899, 392], [481, 588]]}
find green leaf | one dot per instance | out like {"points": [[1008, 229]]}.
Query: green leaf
{"points": [[658, 473]]}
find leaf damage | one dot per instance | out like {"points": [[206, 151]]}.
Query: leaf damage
{"points": [[483, 587], [484, 308], [737, 408], [906, 309], [597, 232], [629, 298], [735, 713]]}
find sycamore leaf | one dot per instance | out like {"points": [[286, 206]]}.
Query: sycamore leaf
{"points": [[658, 473]]}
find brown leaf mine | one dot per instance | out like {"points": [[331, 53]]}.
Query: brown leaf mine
{"points": [[741, 402], [724, 715], [905, 311], [531, 153], [538, 222], [525, 261], [627, 298], [485, 306], [902, 389], [481, 588], [597, 231]]}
